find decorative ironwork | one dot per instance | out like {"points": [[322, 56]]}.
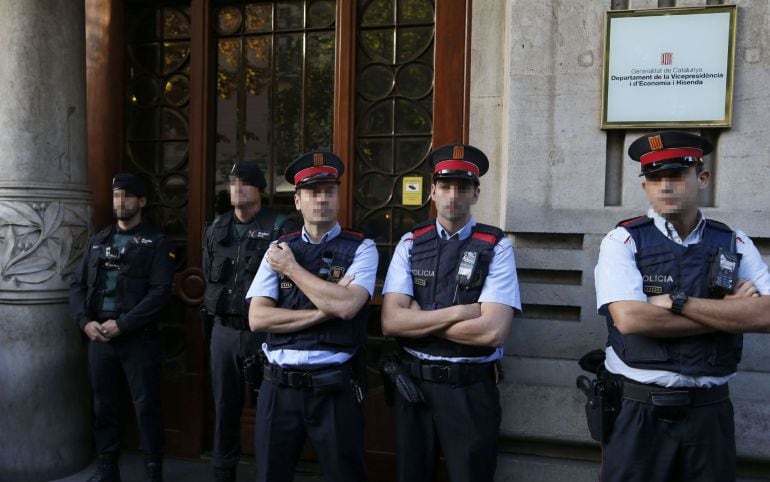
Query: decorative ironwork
{"points": [[394, 116], [275, 81]]}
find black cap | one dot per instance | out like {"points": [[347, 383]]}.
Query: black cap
{"points": [[458, 161], [129, 182], [314, 167], [249, 173], [658, 151]]}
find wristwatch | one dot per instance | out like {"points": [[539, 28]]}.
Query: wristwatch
{"points": [[678, 299]]}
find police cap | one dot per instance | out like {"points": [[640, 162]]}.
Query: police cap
{"points": [[314, 167], [249, 173], [129, 182], [658, 151], [458, 161]]}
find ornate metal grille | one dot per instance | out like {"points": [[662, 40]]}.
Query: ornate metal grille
{"points": [[394, 116], [275, 87]]}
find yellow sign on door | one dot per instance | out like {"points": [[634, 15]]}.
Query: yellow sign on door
{"points": [[412, 191]]}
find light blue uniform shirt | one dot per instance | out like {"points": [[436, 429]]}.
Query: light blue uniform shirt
{"points": [[500, 286], [364, 267], [618, 279]]}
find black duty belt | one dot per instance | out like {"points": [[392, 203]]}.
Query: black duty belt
{"points": [[453, 373], [235, 322], [336, 375], [693, 397]]}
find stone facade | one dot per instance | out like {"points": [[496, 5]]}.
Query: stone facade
{"points": [[535, 108]]}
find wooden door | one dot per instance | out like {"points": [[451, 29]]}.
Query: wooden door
{"points": [[178, 90]]}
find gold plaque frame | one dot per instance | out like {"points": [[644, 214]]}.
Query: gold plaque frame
{"points": [[658, 74]]}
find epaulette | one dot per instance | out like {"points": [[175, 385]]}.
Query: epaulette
{"points": [[718, 225], [290, 236], [487, 233], [351, 235], [423, 228], [634, 222]]}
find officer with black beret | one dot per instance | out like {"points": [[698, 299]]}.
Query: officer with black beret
{"points": [[123, 282], [233, 247], [676, 289], [449, 299], [311, 295]]}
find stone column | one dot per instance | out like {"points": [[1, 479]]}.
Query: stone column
{"points": [[45, 407]]}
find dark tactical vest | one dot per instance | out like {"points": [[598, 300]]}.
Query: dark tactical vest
{"points": [[234, 262], [133, 264], [667, 267], [435, 263], [330, 261]]}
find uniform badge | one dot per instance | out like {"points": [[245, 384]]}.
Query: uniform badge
{"points": [[318, 159], [458, 152], [655, 290], [286, 285], [336, 272], [655, 142], [420, 282]]}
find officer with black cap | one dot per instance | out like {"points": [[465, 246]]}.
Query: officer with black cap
{"points": [[449, 299], [234, 245], [676, 290], [122, 284], [311, 296]]}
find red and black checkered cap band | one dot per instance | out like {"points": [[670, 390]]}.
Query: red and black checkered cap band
{"points": [[456, 165], [671, 153], [312, 171]]}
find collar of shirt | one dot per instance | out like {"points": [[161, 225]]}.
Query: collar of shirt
{"points": [[462, 234], [331, 234], [669, 230]]}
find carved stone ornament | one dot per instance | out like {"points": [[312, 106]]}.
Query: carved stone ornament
{"points": [[41, 243]]}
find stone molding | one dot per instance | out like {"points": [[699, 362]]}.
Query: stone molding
{"points": [[43, 231]]}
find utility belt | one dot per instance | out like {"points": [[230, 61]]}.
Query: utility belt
{"points": [[452, 373], [682, 397], [234, 322], [325, 380]]}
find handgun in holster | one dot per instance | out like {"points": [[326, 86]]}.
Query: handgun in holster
{"points": [[396, 377], [253, 369], [603, 396]]}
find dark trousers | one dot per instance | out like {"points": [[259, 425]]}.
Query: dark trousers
{"points": [[138, 357], [229, 347], [464, 420], [697, 448], [334, 423]]}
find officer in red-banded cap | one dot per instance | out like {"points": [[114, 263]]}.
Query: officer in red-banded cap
{"points": [[311, 296], [449, 299], [675, 288]]}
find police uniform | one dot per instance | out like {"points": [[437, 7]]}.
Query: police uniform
{"points": [[125, 276], [692, 439], [462, 403], [231, 254], [309, 388]]}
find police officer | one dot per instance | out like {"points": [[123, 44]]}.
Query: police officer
{"points": [[233, 248], [118, 291], [311, 295], [450, 296], [668, 320]]}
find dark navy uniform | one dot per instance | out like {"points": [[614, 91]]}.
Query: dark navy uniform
{"points": [[310, 388], [462, 412], [676, 418], [125, 276], [230, 261]]}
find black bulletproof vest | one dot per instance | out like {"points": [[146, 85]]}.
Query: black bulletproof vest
{"points": [[329, 260], [133, 264], [667, 267], [235, 261], [435, 263]]}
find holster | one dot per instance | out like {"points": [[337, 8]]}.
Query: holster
{"points": [[253, 369], [395, 376], [207, 323], [603, 397]]}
